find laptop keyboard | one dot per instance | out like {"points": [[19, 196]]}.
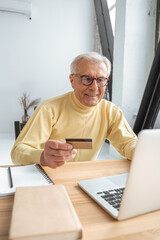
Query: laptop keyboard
{"points": [[113, 197]]}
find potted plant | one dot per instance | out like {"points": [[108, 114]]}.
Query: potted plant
{"points": [[27, 104]]}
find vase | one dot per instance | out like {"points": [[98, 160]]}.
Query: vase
{"points": [[25, 117]]}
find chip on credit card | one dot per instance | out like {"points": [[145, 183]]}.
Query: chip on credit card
{"points": [[80, 143]]}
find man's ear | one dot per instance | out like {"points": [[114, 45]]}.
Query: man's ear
{"points": [[71, 80]]}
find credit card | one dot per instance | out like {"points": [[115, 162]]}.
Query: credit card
{"points": [[80, 143]]}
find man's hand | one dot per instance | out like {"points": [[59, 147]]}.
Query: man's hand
{"points": [[56, 153]]}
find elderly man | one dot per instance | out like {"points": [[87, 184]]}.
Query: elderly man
{"points": [[78, 114]]}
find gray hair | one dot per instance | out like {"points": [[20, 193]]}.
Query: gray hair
{"points": [[92, 56]]}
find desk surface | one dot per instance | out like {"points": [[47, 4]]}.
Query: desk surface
{"points": [[97, 224]]}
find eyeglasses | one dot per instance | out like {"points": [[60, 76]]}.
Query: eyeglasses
{"points": [[88, 80]]}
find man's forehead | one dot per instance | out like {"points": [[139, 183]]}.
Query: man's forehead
{"points": [[87, 65], [87, 60]]}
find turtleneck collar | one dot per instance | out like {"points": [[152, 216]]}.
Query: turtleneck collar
{"points": [[79, 106]]}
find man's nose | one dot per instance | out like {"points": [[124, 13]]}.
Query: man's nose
{"points": [[94, 85]]}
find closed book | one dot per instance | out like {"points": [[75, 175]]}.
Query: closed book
{"points": [[44, 213]]}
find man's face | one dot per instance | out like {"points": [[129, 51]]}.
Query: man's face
{"points": [[89, 95]]}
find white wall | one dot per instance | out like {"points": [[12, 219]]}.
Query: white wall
{"points": [[35, 54], [133, 53]]}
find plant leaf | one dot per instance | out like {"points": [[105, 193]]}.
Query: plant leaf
{"points": [[33, 103]]}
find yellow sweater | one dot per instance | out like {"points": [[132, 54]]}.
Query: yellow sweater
{"points": [[65, 117]]}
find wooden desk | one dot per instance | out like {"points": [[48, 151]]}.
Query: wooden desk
{"points": [[97, 224]]}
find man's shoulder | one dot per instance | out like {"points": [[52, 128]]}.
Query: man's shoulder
{"points": [[55, 100], [109, 105]]}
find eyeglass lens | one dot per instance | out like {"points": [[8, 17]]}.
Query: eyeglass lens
{"points": [[87, 80]]}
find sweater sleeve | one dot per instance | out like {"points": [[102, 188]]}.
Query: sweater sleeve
{"points": [[30, 143], [121, 135]]}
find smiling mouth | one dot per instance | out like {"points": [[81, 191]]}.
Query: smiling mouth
{"points": [[91, 96]]}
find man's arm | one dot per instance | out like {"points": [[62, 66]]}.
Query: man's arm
{"points": [[33, 144], [29, 145], [122, 136]]}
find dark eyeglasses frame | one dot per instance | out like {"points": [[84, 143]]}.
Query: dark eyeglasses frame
{"points": [[92, 79]]}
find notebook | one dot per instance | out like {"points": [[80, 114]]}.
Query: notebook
{"points": [[134, 193], [21, 176]]}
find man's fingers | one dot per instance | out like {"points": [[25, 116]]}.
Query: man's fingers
{"points": [[59, 152], [51, 158], [56, 153], [59, 144]]}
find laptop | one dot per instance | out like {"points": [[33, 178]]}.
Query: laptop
{"points": [[137, 192]]}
